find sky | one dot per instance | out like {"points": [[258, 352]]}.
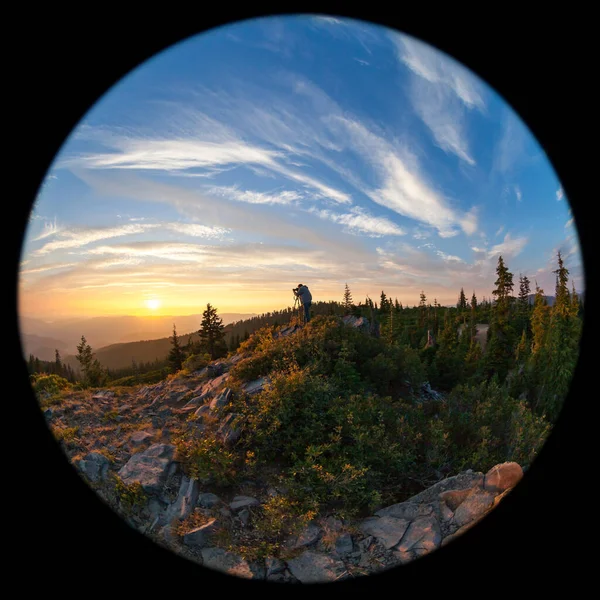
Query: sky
{"points": [[284, 150]]}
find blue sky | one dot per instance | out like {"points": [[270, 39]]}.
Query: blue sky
{"points": [[281, 150]]}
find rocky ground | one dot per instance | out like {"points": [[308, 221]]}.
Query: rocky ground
{"points": [[131, 433]]}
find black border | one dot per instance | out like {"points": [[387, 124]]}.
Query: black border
{"points": [[63, 62]]}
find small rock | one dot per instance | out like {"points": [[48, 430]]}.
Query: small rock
{"points": [[311, 567], [244, 516], [139, 437], [274, 566], [310, 535], [343, 544], [200, 536], [94, 466], [208, 500], [240, 502]]}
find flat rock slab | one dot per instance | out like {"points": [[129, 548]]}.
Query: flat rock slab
{"points": [[474, 506], [149, 468], [423, 533], [185, 501], [228, 562], [388, 530], [240, 502], [256, 386], [311, 567], [462, 481], [406, 510]]}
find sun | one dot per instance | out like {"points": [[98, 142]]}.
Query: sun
{"points": [[153, 303]]}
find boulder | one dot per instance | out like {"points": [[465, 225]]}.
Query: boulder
{"points": [[423, 533], [406, 510], [149, 468], [229, 430], [229, 563], [502, 477], [185, 501], [308, 536], [94, 466], [476, 504], [388, 530], [256, 386], [221, 400], [208, 500], [343, 544], [311, 567]]}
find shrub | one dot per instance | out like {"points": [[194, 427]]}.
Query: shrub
{"points": [[48, 385], [195, 362]]}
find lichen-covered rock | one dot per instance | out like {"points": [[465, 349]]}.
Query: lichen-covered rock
{"points": [[308, 536]]}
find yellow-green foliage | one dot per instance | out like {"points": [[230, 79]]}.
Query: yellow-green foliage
{"points": [[194, 362], [44, 385], [207, 457], [67, 435], [130, 496]]}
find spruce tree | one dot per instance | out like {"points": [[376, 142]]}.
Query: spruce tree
{"points": [[211, 333], [93, 373], [347, 302], [176, 356], [462, 301]]}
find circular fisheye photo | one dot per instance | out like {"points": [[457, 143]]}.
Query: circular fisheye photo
{"points": [[301, 299]]}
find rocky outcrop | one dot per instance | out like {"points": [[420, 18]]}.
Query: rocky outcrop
{"points": [[149, 468]]}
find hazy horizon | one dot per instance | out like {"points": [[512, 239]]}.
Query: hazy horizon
{"points": [[311, 150]]}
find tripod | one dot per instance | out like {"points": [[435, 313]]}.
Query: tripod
{"points": [[298, 304]]}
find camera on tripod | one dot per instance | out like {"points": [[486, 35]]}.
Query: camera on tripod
{"points": [[295, 290]]}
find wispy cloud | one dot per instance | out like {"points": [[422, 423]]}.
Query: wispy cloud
{"points": [[518, 193], [195, 230], [500, 230], [83, 237], [359, 220], [559, 194], [441, 89], [286, 197], [50, 228], [570, 222], [510, 247], [511, 146], [403, 188]]}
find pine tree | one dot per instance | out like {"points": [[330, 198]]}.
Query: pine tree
{"points": [[176, 356], [57, 361], [93, 373], [347, 302], [462, 301], [422, 309], [383, 302], [499, 353], [211, 333], [523, 306]]}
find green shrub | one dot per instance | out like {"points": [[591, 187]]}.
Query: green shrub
{"points": [[195, 362], [48, 385]]}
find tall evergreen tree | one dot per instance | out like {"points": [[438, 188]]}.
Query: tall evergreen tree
{"points": [[211, 333], [523, 305], [176, 355], [462, 301], [92, 371], [347, 302]]}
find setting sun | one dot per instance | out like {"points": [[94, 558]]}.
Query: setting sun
{"points": [[153, 303]]}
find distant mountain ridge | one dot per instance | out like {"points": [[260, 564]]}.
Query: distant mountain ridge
{"points": [[104, 331]]}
